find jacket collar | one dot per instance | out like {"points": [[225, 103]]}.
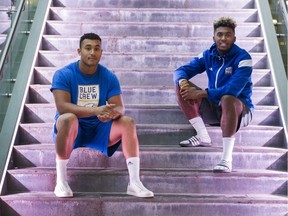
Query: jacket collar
{"points": [[232, 52]]}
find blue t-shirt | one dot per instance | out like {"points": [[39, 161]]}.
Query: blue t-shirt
{"points": [[86, 90]]}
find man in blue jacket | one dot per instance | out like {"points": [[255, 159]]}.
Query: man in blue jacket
{"points": [[227, 100]]}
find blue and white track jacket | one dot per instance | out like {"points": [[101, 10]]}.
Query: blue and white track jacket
{"points": [[227, 75]]}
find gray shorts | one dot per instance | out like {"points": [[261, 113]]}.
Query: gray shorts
{"points": [[211, 114]]}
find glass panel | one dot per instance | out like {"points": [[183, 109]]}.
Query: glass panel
{"points": [[279, 15], [14, 56], [6, 11]]}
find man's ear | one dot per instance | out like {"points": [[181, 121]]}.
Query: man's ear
{"points": [[214, 39], [78, 51], [234, 39]]}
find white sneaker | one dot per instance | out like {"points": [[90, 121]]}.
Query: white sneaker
{"points": [[223, 167], [137, 189], [195, 141], [62, 189]]}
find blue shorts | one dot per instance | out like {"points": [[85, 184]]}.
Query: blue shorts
{"points": [[95, 136]]}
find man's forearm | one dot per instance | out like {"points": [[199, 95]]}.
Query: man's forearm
{"points": [[79, 111]]}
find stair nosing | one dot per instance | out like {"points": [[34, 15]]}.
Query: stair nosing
{"points": [[114, 196]]}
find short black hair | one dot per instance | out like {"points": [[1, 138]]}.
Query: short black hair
{"points": [[225, 22], [91, 36]]}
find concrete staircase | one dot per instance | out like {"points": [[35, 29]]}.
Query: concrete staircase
{"points": [[144, 42]]}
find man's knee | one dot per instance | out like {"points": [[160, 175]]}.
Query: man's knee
{"points": [[126, 121], [228, 100], [67, 120], [230, 103]]}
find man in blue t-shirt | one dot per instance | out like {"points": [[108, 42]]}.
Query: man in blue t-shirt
{"points": [[90, 113], [227, 100]]}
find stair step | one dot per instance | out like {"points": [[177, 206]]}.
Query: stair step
{"points": [[148, 29], [3, 14], [4, 26], [169, 134], [5, 4], [150, 14], [176, 4], [151, 114], [157, 156], [147, 44], [151, 95], [2, 40], [130, 60], [33, 203], [158, 180], [150, 77]]}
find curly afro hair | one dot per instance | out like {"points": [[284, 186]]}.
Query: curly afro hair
{"points": [[225, 22]]}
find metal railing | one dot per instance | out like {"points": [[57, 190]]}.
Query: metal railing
{"points": [[8, 58], [17, 72], [279, 11], [280, 18], [276, 51]]}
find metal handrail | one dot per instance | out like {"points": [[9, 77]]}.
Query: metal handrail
{"points": [[275, 60], [8, 134], [284, 10], [283, 5], [283, 32]]}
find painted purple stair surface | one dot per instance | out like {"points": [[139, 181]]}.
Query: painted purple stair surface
{"points": [[144, 42]]}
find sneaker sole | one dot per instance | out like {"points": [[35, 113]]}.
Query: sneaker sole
{"points": [[63, 196], [222, 171], [141, 196], [200, 145]]}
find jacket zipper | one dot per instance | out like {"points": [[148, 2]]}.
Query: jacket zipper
{"points": [[216, 80]]}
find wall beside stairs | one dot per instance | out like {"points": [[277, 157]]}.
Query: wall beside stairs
{"points": [[144, 42]]}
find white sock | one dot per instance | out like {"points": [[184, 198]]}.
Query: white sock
{"points": [[61, 170], [228, 145], [133, 165], [200, 128]]}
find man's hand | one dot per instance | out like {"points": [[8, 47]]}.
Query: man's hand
{"points": [[107, 112], [189, 92], [183, 83]]}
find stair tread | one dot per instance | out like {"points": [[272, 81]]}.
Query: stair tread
{"points": [[160, 53], [181, 172], [162, 148], [175, 4], [143, 147], [154, 9], [146, 106], [174, 127], [152, 70], [95, 22], [152, 87], [148, 38], [159, 197]]}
